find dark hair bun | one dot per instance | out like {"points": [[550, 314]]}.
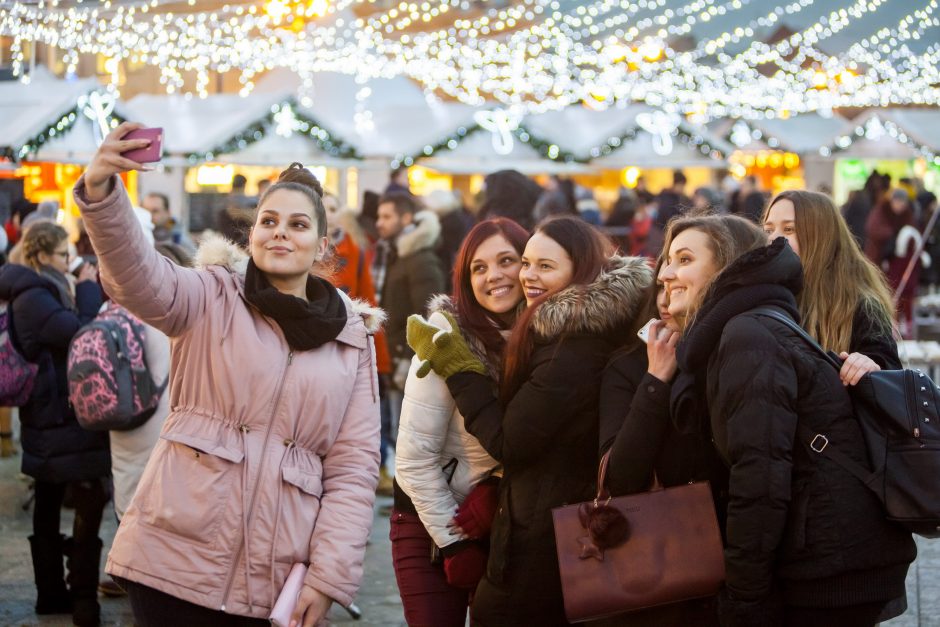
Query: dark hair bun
{"points": [[297, 173]]}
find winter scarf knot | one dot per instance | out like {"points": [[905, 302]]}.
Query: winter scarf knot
{"points": [[306, 325]]}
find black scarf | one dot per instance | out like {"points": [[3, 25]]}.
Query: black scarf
{"points": [[306, 325], [771, 275]]}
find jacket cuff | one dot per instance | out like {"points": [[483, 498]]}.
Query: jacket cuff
{"points": [[85, 205], [328, 589], [653, 392]]}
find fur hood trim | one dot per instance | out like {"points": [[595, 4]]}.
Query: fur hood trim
{"points": [[425, 234], [613, 299], [373, 317], [216, 250]]}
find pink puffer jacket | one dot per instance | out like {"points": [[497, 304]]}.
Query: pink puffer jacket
{"points": [[267, 458]]}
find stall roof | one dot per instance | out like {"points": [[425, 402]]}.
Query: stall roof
{"points": [[477, 154], [28, 109], [922, 125], [636, 135], [800, 134], [277, 150], [868, 136], [199, 125]]}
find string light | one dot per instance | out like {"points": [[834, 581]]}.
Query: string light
{"points": [[531, 56]]}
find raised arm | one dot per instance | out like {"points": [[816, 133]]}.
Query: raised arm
{"points": [[133, 273]]}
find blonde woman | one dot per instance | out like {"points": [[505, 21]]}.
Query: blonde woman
{"points": [[845, 303], [47, 312]]}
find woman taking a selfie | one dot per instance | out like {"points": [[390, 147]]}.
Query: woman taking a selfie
{"points": [[845, 303], [57, 452], [438, 465], [543, 425], [806, 542], [269, 456]]}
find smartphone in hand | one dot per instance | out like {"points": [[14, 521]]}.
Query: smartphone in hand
{"points": [[151, 153], [644, 333]]}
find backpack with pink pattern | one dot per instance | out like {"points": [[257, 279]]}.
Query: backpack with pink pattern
{"points": [[110, 386], [17, 375]]}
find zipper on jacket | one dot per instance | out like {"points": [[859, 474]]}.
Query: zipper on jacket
{"points": [[254, 491]]}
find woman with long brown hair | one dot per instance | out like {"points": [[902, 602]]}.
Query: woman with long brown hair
{"points": [[806, 542], [543, 426], [440, 558], [845, 303]]}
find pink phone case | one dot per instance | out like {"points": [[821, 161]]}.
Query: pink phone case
{"points": [[284, 606], [151, 153]]}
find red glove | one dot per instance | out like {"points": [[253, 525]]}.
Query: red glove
{"points": [[465, 566], [475, 515]]}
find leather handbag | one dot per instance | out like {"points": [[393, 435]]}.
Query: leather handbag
{"points": [[633, 552]]}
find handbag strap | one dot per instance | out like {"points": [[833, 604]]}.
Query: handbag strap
{"points": [[602, 493], [767, 312], [817, 442]]}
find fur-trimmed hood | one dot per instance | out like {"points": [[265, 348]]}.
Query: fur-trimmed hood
{"points": [[215, 250], [425, 234], [612, 300]]}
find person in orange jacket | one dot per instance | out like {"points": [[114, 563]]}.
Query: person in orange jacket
{"points": [[352, 258]]}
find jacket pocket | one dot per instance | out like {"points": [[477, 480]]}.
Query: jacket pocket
{"points": [[301, 491], [195, 475]]}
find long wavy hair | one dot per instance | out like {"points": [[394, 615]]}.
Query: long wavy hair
{"points": [[837, 277], [474, 319], [589, 251]]}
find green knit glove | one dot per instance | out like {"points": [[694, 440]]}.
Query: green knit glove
{"points": [[444, 352]]}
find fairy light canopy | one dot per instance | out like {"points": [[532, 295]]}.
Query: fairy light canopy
{"points": [[699, 58]]}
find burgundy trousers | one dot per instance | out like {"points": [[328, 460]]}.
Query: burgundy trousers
{"points": [[428, 600]]}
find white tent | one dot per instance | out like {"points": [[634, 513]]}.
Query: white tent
{"points": [[800, 134], [635, 135], [873, 135], [50, 107]]}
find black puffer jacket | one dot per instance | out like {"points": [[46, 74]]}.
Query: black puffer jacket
{"points": [[55, 447], [546, 438], [801, 531]]}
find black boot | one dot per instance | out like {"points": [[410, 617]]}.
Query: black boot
{"points": [[83, 560], [52, 597]]}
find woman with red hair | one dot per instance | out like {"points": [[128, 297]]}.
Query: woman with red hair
{"points": [[543, 424], [439, 466]]}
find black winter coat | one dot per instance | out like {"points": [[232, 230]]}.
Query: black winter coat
{"points": [[546, 438], [55, 447], [801, 532], [413, 276]]}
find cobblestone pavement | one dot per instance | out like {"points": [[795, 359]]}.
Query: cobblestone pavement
{"points": [[378, 598]]}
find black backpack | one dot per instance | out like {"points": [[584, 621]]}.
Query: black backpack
{"points": [[899, 415]]}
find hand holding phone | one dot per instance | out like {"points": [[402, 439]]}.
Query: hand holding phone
{"points": [[644, 333], [149, 154], [661, 350]]}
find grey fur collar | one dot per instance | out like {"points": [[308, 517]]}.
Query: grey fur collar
{"points": [[613, 299], [424, 235], [215, 250], [442, 303]]}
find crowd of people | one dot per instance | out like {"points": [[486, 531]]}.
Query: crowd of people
{"points": [[509, 363]]}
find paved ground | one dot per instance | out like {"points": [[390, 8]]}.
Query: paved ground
{"points": [[378, 598]]}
